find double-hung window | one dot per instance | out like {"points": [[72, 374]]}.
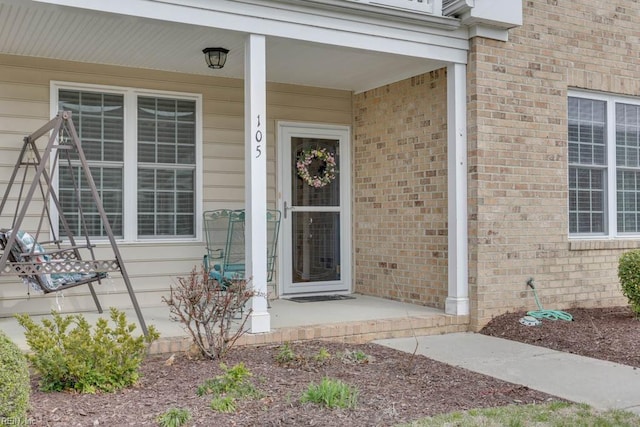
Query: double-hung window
{"points": [[143, 150], [604, 165]]}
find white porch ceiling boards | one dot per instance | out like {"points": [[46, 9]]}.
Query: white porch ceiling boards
{"points": [[67, 33]]}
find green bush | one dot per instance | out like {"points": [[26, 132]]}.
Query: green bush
{"points": [[68, 356], [629, 275], [14, 383]]}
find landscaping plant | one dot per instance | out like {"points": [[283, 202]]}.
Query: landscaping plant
{"points": [[174, 417], [212, 313], [355, 356], [332, 394], [286, 355], [67, 355], [14, 383], [226, 404], [629, 275], [322, 356], [233, 384], [289, 358]]}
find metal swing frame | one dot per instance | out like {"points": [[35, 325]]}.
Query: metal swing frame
{"points": [[63, 139]]}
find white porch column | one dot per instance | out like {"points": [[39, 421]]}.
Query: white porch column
{"points": [[255, 127], [457, 302]]}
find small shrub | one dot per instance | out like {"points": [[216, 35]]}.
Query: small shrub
{"points": [[209, 310], [332, 394], [68, 356], [629, 275], [174, 417], [322, 356], [286, 355], [14, 383]]}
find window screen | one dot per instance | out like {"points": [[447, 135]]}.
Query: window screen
{"points": [[166, 167], [99, 120], [587, 165], [628, 167]]}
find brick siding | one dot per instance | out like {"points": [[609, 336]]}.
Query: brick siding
{"points": [[518, 154], [517, 149], [400, 190]]}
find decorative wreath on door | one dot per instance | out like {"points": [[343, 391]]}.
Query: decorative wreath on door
{"points": [[316, 167]]}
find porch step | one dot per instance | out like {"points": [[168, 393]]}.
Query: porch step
{"points": [[354, 332]]}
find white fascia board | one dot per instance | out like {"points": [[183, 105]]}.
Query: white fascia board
{"points": [[276, 20], [388, 12]]}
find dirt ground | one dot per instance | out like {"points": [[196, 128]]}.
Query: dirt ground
{"points": [[394, 387]]}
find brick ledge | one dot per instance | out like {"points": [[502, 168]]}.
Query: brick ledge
{"points": [[590, 245]]}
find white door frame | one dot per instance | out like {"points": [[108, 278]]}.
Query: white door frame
{"points": [[285, 130]]}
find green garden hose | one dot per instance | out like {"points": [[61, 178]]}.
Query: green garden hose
{"points": [[546, 314]]}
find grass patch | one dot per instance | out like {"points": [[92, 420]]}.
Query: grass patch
{"points": [[332, 394], [227, 388], [555, 414], [174, 417]]}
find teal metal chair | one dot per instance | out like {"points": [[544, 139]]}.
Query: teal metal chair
{"points": [[225, 238]]}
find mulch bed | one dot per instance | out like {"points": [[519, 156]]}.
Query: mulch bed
{"points": [[611, 334], [394, 387]]}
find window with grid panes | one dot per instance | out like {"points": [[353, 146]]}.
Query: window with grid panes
{"points": [[164, 165], [604, 165], [99, 121]]}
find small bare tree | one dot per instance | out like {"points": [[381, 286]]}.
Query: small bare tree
{"points": [[213, 313]]}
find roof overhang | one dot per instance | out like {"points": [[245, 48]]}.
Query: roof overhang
{"points": [[312, 43]]}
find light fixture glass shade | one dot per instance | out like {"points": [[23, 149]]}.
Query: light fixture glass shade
{"points": [[215, 56]]}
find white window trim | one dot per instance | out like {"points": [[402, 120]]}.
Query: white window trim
{"points": [[611, 193], [130, 222]]}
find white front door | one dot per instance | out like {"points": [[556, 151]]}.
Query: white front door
{"points": [[316, 229]]}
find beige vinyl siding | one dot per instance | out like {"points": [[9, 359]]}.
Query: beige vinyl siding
{"points": [[152, 267]]}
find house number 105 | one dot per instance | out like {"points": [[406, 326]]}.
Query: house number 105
{"points": [[258, 138]]}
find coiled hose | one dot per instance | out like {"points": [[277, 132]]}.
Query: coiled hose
{"points": [[546, 314]]}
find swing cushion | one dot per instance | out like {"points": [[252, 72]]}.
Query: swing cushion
{"points": [[25, 243]]}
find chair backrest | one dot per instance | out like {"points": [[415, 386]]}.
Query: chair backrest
{"points": [[225, 238], [216, 229], [274, 218], [234, 257]]}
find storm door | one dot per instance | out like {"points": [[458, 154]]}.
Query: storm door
{"points": [[316, 243]]}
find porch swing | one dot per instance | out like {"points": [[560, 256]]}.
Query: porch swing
{"points": [[51, 266]]}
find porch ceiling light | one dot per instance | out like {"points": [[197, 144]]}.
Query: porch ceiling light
{"points": [[215, 57]]}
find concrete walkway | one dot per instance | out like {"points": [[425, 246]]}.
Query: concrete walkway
{"points": [[601, 384]]}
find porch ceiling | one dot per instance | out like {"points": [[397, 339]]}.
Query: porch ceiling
{"points": [[59, 32]]}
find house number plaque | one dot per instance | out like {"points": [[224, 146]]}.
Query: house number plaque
{"points": [[258, 138]]}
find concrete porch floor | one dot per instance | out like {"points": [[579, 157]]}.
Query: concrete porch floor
{"points": [[357, 320]]}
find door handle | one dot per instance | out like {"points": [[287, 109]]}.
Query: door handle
{"points": [[285, 209]]}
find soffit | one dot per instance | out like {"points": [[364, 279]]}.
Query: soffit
{"points": [[65, 33]]}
